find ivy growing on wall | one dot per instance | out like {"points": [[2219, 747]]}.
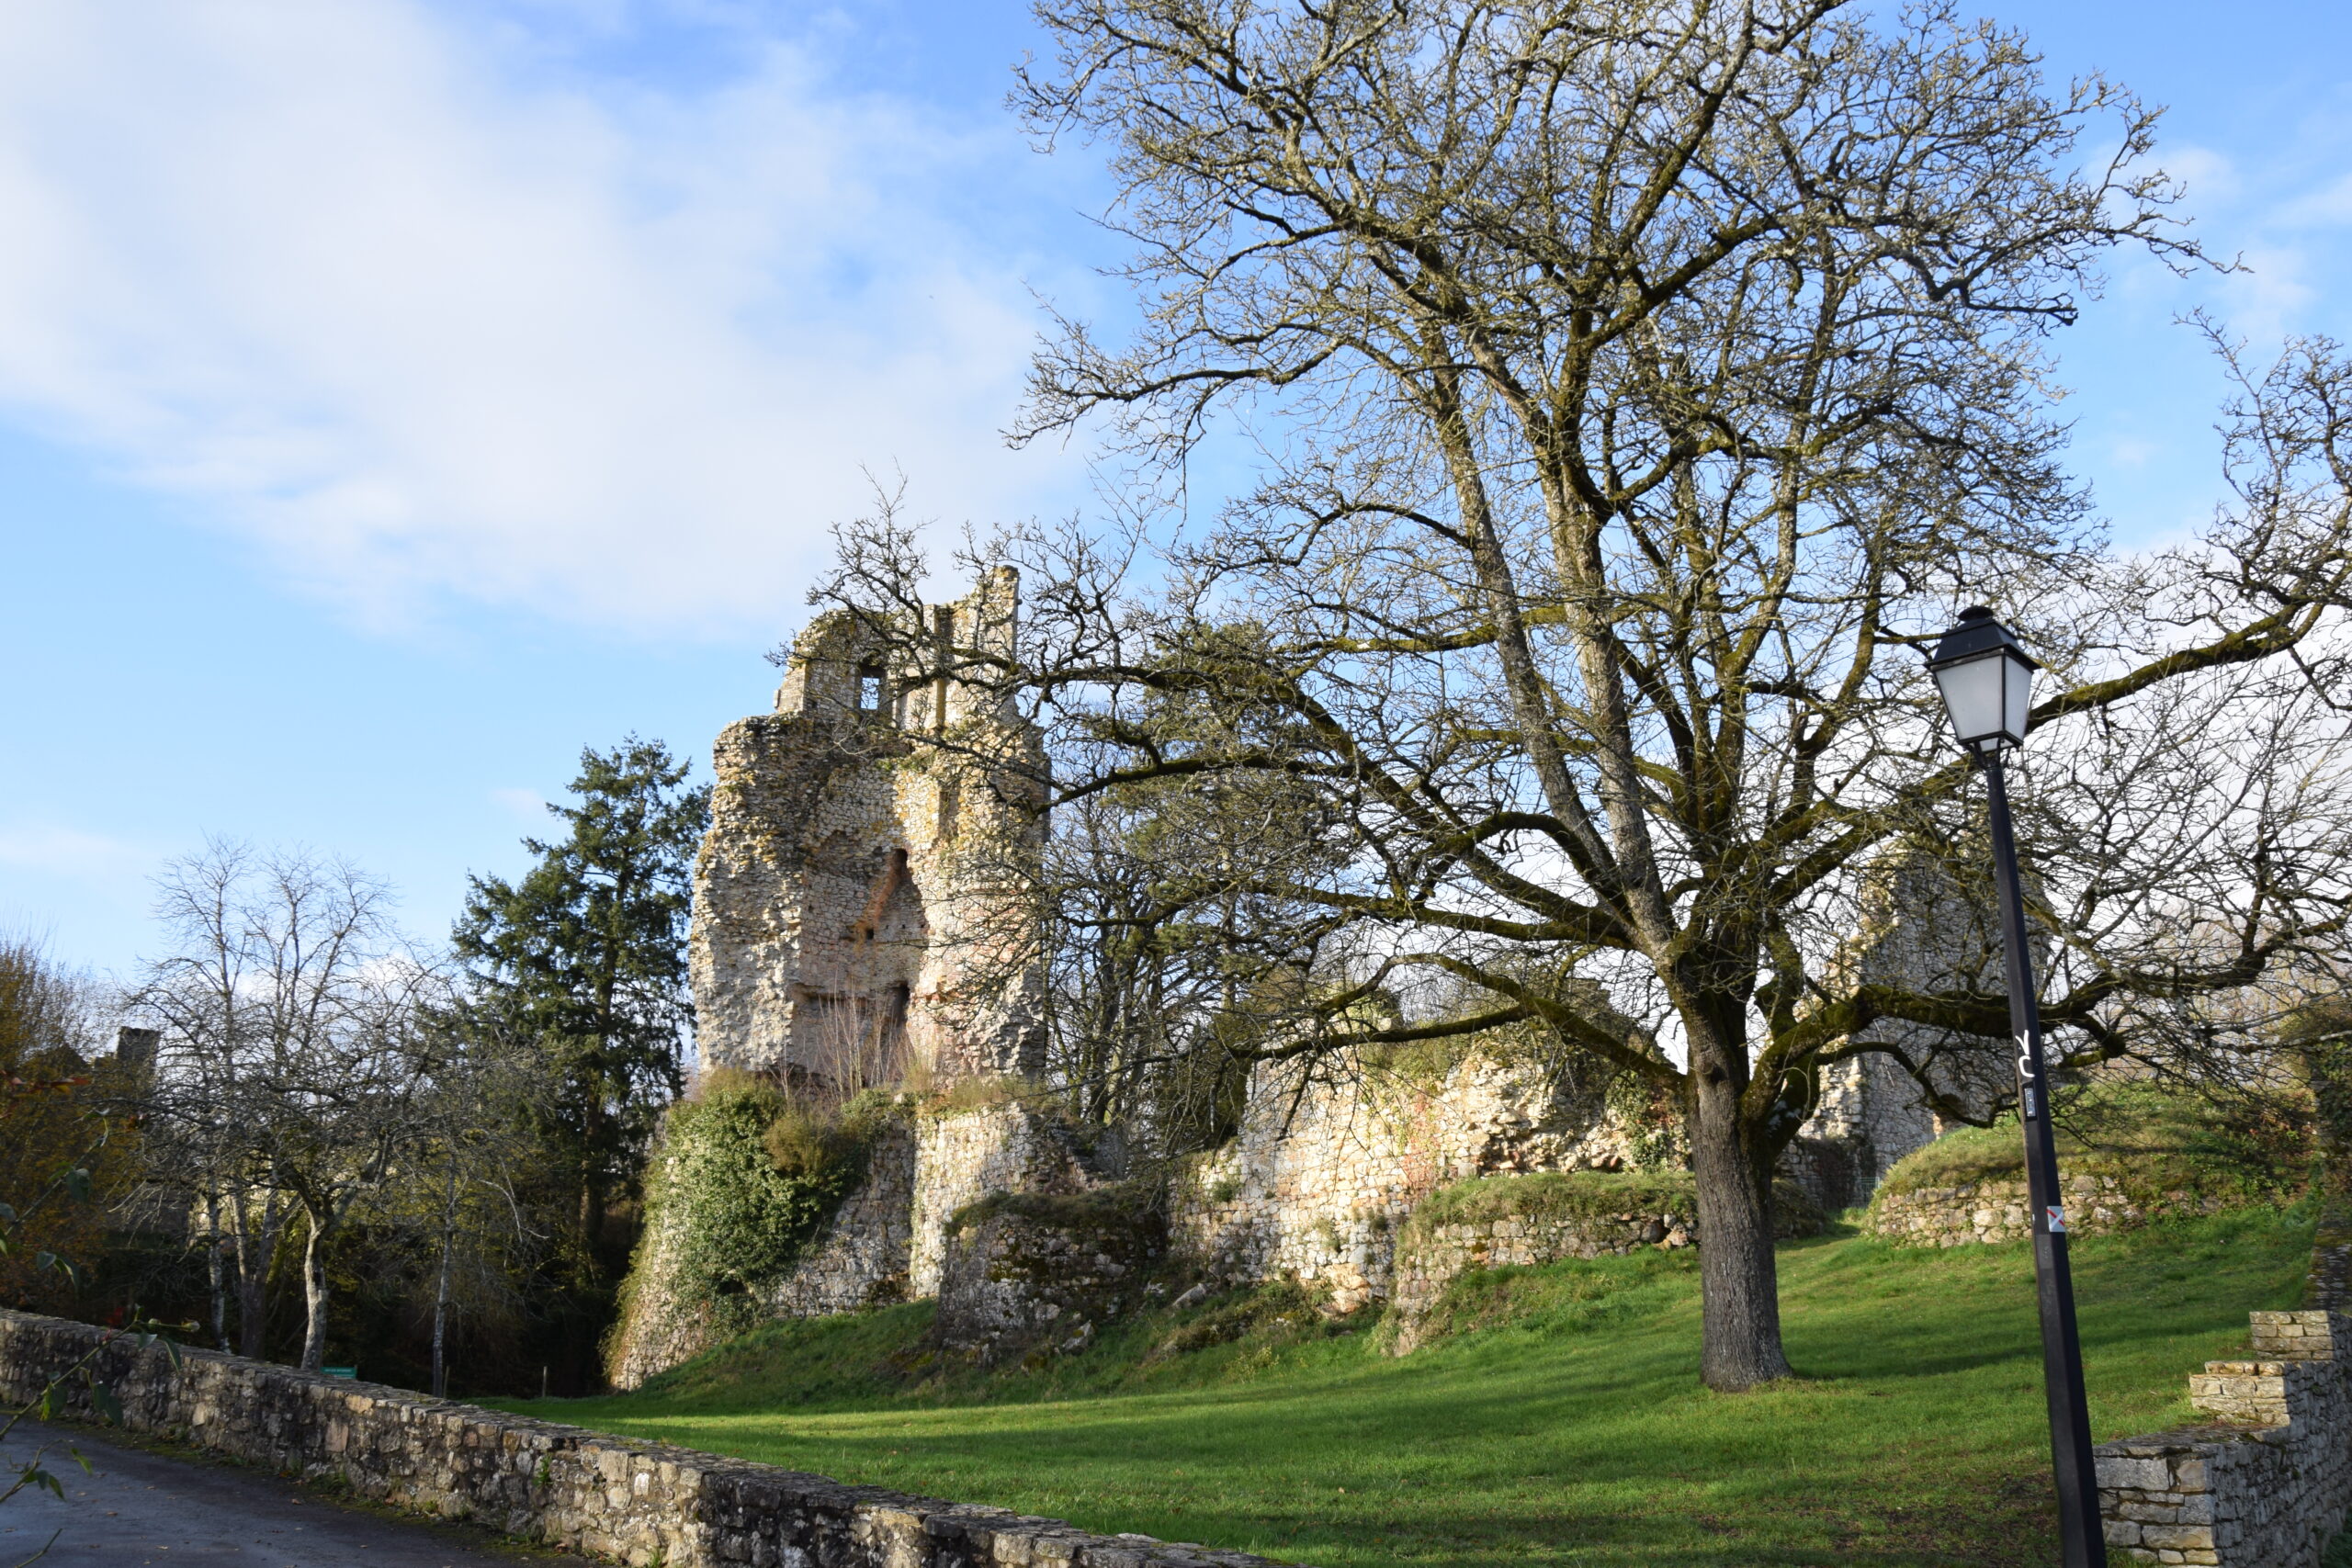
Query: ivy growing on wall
{"points": [[749, 1176]]}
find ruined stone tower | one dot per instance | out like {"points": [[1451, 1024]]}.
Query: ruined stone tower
{"points": [[1917, 930], [858, 902]]}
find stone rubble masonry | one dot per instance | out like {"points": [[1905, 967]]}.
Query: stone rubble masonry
{"points": [[627, 1501], [861, 1260], [1915, 929], [1429, 1259], [852, 914], [2267, 1486], [1331, 1160], [1038, 1276], [885, 1242], [1999, 1211], [966, 1156]]}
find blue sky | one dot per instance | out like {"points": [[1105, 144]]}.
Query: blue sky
{"points": [[396, 397]]}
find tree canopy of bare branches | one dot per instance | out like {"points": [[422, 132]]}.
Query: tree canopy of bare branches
{"points": [[295, 1050], [1636, 390]]}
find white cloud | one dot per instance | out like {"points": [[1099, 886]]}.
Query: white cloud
{"points": [[570, 346]]}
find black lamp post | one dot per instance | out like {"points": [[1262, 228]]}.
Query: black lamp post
{"points": [[1987, 682]]}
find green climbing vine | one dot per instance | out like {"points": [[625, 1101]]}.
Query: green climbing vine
{"points": [[746, 1178]]}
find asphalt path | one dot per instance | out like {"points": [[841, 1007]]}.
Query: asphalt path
{"points": [[143, 1507]]}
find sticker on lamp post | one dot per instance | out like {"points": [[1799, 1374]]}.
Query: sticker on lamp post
{"points": [[2057, 1216]]}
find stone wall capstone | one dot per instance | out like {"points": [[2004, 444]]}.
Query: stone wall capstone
{"points": [[635, 1503]]}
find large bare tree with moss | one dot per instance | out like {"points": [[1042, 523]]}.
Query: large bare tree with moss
{"points": [[1634, 389]]}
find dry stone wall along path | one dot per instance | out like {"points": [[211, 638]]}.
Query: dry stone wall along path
{"points": [[607, 1497], [2268, 1484], [139, 1507]]}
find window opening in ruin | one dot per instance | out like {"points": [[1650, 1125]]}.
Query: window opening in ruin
{"points": [[869, 689], [951, 803]]}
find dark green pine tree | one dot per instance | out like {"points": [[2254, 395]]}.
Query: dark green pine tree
{"points": [[584, 959]]}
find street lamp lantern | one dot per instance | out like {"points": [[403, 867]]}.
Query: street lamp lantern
{"points": [[1986, 681], [1987, 684]]}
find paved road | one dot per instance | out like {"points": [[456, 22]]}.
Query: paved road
{"points": [[143, 1508]]}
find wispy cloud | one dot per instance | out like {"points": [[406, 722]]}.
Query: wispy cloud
{"points": [[428, 325], [68, 852]]}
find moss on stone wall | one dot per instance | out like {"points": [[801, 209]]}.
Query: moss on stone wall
{"points": [[2155, 1144], [1597, 1195], [1118, 1204]]}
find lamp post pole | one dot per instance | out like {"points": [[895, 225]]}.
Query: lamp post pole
{"points": [[1986, 682], [2081, 1539]]}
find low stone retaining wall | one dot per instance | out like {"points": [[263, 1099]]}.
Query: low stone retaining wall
{"points": [[1032, 1274], [628, 1502], [1430, 1253], [2268, 1488], [1998, 1210], [1428, 1260]]}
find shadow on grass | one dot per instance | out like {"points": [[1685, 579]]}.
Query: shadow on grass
{"points": [[1545, 1435]]}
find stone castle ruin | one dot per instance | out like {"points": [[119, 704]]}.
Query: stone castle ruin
{"points": [[860, 924], [843, 899]]}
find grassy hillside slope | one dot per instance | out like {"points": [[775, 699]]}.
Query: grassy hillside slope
{"points": [[1560, 1421]]}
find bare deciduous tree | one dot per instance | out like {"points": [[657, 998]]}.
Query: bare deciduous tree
{"points": [[295, 1048], [1638, 391]]}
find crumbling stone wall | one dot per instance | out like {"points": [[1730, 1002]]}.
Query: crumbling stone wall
{"points": [[859, 922], [886, 1242], [851, 894], [971, 1155], [859, 1260], [1526, 1219], [608, 1497], [865, 1254], [1331, 1159], [1432, 1258], [1915, 929], [1034, 1274], [2266, 1491]]}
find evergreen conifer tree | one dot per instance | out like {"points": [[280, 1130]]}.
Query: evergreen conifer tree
{"points": [[584, 962]]}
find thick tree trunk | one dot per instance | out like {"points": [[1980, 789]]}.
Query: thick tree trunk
{"points": [[1739, 1281]]}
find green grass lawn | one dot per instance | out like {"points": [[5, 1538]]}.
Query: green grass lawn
{"points": [[1560, 1422]]}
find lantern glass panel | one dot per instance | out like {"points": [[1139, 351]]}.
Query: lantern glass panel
{"points": [[2020, 699], [1974, 691]]}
